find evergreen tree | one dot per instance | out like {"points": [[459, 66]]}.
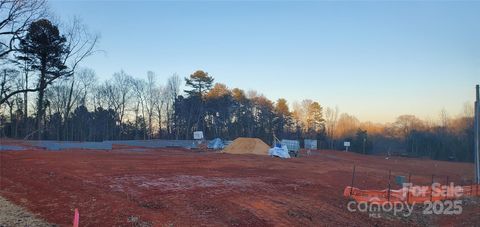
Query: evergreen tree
{"points": [[200, 82], [44, 48]]}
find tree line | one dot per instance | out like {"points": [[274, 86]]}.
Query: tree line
{"points": [[46, 94]]}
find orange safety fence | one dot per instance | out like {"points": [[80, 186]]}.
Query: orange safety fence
{"points": [[414, 194]]}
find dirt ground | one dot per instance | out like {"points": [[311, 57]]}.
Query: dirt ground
{"points": [[179, 187], [13, 215]]}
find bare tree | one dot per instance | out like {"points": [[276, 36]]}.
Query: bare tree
{"points": [[9, 81], [405, 124], [68, 93], [160, 96], [57, 95], [99, 96], [331, 117], [468, 110], [347, 125], [80, 44], [139, 91], [87, 79], [15, 17], [151, 100], [118, 92], [172, 92], [444, 118]]}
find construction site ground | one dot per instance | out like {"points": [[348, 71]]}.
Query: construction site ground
{"points": [[130, 186]]}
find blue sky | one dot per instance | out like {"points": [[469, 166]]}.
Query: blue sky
{"points": [[375, 60]]}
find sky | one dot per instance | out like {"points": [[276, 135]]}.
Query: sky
{"points": [[373, 59]]}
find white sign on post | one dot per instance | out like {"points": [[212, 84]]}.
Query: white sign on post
{"points": [[346, 144], [198, 135]]}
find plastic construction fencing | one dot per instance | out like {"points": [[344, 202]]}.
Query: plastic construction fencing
{"points": [[414, 194]]}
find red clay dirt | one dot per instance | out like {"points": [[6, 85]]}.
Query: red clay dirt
{"points": [[179, 187]]}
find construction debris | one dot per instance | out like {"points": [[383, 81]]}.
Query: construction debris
{"points": [[279, 150], [216, 144]]}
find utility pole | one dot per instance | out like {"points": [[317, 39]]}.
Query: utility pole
{"points": [[476, 135]]}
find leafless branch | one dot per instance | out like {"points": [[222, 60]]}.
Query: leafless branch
{"points": [[15, 17]]}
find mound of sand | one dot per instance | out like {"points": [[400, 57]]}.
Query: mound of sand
{"points": [[247, 146]]}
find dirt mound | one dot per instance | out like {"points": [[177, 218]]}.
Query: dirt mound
{"points": [[247, 146]]}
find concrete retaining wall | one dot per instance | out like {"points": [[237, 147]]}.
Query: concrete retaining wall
{"points": [[107, 145], [60, 145], [190, 144], [11, 148]]}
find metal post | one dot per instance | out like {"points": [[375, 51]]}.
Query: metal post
{"points": [[431, 188], [476, 190], [353, 177], [389, 184], [476, 131], [471, 188], [409, 187], [448, 186]]}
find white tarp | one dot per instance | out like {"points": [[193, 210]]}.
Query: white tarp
{"points": [[279, 152]]}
